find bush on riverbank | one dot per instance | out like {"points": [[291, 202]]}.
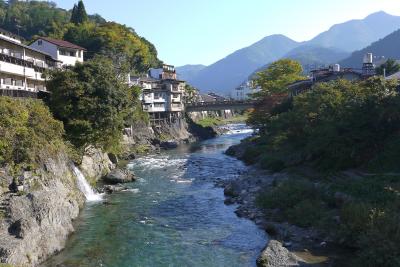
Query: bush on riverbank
{"points": [[27, 130], [338, 125], [360, 213]]}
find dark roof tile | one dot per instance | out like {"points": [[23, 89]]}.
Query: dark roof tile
{"points": [[62, 43]]}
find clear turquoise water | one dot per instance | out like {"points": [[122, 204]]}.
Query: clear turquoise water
{"points": [[175, 216]]}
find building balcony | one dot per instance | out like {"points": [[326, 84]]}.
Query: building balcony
{"points": [[22, 62], [159, 100], [29, 88], [29, 71]]}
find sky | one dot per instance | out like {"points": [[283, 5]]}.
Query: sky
{"points": [[204, 31]]}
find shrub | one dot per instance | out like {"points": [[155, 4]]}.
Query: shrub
{"points": [[27, 130], [270, 163], [251, 154]]}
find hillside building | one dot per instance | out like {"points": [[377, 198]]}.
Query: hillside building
{"points": [[22, 67], [65, 52], [244, 91], [334, 72], [163, 96]]}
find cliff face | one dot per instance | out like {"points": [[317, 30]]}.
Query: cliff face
{"points": [[143, 137], [37, 208]]}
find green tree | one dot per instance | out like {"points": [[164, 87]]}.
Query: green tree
{"points": [[28, 131], [93, 102], [274, 82], [79, 14], [276, 78], [121, 44], [389, 67]]}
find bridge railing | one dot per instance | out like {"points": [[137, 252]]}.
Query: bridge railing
{"points": [[217, 103]]}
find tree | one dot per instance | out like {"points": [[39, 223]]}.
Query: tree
{"points": [[74, 14], [28, 132], [389, 67], [93, 102], [79, 14], [278, 75], [274, 82]]}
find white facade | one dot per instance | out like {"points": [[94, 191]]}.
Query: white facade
{"points": [[161, 97], [22, 67], [67, 53], [244, 91]]}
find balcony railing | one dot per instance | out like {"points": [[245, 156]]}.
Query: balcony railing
{"points": [[21, 62]]}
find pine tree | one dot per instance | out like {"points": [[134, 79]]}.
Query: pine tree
{"points": [[73, 14], [79, 14]]}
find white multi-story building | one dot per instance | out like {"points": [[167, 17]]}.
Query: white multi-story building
{"points": [[163, 96], [244, 91], [22, 67], [65, 52]]}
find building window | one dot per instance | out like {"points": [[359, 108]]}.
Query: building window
{"points": [[39, 42], [158, 105], [63, 52], [8, 81], [158, 95], [19, 83], [72, 53]]}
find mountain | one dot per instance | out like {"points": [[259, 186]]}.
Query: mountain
{"points": [[356, 34], [326, 48], [227, 73], [188, 72], [388, 47], [311, 57]]}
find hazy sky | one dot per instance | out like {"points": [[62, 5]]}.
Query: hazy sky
{"points": [[204, 31]]}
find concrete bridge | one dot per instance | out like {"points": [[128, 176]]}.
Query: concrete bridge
{"points": [[221, 105]]}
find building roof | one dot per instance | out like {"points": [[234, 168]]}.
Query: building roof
{"points": [[62, 43], [206, 98], [28, 47], [394, 76], [13, 35]]}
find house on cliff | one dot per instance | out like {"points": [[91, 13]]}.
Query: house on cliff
{"points": [[162, 96], [65, 52], [21, 67]]}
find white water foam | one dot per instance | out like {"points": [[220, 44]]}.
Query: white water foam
{"points": [[84, 186], [158, 162], [238, 129]]}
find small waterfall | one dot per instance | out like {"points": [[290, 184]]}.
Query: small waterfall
{"points": [[84, 186]]}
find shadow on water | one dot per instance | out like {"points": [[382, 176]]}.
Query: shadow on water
{"points": [[176, 217]]}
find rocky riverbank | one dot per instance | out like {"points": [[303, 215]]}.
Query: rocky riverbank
{"points": [[289, 245], [37, 207], [142, 138]]}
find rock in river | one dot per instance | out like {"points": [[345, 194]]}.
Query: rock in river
{"points": [[275, 255], [119, 176]]}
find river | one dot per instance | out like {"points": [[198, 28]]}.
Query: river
{"points": [[172, 216]]}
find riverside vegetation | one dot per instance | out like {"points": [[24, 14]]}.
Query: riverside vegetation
{"points": [[82, 121], [316, 137]]}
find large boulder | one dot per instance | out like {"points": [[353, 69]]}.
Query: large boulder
{"points": [[119, 176], [275, 255]]}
